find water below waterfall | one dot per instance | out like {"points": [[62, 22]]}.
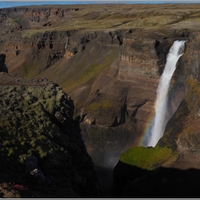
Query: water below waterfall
{"points": [[160, 121]]}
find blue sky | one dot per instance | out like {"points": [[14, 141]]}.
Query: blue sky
{"points": [[12, 3]]}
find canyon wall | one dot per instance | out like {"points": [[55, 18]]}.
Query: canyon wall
{"points": [[109, 62], [178, 175], [112, 76]]}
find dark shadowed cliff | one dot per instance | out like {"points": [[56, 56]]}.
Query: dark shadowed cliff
{"points": [[36, 119]]}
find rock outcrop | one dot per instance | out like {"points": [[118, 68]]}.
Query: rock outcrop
{"points": [[36, 119]]}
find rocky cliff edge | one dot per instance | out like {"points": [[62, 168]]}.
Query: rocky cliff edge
{"points": [[36, 119]]}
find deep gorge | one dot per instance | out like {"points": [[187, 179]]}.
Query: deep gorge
{"points": [[109, 61]]}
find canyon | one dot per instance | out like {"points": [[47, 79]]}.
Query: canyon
{"points": [[109, 59]]}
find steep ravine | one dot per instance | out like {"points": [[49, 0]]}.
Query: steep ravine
{"points": [[110, 78], [104, 79], [109, 61]]}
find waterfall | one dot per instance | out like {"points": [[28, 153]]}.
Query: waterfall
{"points": [[160, 121]]}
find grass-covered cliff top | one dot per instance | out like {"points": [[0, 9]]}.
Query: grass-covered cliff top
{"points": [[101, 17], [147, 158]]}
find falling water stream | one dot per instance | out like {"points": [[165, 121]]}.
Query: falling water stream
{"points": [[159, 123]]}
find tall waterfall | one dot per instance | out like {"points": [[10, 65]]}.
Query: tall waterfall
{"points": [[159, 123]]}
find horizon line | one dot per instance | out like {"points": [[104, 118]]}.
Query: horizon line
{"points": [[17, 3]]}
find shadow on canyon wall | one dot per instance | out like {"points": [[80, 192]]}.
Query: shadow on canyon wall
{"points": [[131, 181], [104, 165]]}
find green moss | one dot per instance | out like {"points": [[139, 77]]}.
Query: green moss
{"points": [[20, 124], [49, 105], [147, 158], [41, 152], [21, 158], [10, 151], [32, 143]]}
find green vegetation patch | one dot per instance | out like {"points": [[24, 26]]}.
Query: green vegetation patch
{"points": [[147, 158], [25, 126]]}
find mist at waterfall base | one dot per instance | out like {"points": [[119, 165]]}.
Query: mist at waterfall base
{"points": [[156, 129]]}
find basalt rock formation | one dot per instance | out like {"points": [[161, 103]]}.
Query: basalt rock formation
{"points": [[36, 119]]}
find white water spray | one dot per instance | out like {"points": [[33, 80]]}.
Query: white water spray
{"points": [[157, 131]]}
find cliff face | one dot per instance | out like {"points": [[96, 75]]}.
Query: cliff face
{"points": [[110, 69], [121, 99], [173, 165], [21, 18], [181, 137], [109, 59], [37, 120]]}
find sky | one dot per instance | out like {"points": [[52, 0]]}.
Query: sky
{"points": [[13, 3]]}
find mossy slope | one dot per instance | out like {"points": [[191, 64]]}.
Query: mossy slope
{"points": [[147, 158], [38, 120]]}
